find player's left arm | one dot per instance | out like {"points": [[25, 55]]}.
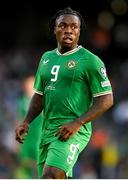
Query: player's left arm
{"points": [[100, 105]]}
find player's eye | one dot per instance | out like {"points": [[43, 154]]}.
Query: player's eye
{"points": [[62, 26], [74, 27]]}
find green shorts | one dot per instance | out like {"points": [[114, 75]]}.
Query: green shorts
{"points": [[62, 155]]}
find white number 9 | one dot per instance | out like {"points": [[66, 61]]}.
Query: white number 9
{"points": [[54, 71]]}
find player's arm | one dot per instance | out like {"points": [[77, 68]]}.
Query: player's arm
{"points": [[100, 105], [35, 108]]}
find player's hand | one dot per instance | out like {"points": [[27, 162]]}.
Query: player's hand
{"points": [[67, 130], [21, 131]]}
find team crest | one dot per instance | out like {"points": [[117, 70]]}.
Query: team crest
{"points": [[71, 64]]}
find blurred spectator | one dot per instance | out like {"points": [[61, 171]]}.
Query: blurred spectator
{"points": [[120, 117], [110, 158], [28, 151], [8, 163]]}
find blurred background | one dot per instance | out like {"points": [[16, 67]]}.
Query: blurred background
{"points": [[24, 36]]}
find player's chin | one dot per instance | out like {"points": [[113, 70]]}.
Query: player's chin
{"points": [[67, 45]]}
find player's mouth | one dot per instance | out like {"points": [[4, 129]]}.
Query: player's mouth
{"points": [[67, 40]]}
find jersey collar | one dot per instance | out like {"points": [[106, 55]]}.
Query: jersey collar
{"points": [[68, 52]]}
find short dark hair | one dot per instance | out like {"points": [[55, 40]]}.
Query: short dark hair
{"points": [[64, 11]]}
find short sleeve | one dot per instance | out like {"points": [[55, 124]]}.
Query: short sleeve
{"points": [[97, 77], [38, 83]]}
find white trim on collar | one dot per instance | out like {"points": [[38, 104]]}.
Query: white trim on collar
{"points": [[68, 52]]}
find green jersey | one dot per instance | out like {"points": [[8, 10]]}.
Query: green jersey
{"points": [[29, 149], [68, 83]]}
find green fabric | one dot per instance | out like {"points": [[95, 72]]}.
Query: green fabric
{"points": [[69, 82], [29, 149], [62, 155]]}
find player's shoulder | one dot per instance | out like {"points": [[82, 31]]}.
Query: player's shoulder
{"points": [[47, 54], [89, 56]]}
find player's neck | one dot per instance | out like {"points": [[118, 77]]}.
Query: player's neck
{"points": [[66, 50]]}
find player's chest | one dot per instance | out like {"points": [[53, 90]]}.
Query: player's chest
{"points": [[61, 69]]}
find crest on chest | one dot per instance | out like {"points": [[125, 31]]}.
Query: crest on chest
{"points": [[71, 64]]}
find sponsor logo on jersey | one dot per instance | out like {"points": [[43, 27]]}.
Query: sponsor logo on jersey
{"points": [[105, 83], [50, 87], [45, 61], [71, 64]]}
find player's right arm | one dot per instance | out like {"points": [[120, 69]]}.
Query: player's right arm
{"points": [[35, 108]]}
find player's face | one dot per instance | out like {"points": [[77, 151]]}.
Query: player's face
{"points": [[67, 31]]}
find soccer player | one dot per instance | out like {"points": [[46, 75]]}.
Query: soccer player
{"points": [[72, 88], [28, 151]]}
